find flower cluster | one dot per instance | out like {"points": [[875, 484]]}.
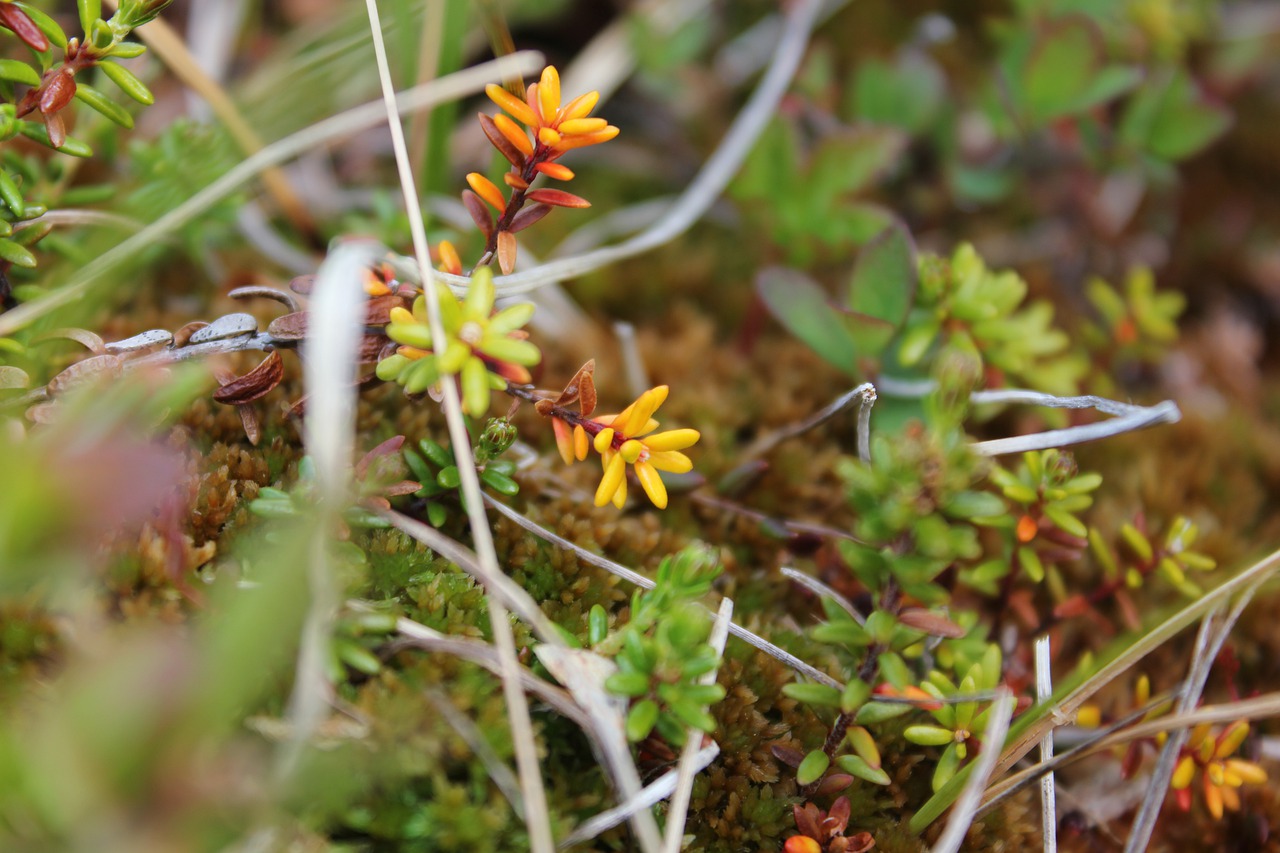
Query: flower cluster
{"points": [[1221, 775], [627, 438], [549, 131], [486, 350]]}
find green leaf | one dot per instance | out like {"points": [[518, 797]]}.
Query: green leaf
{"points": [[845, 632], [929, 735], [128, 50], [100, 102], [128, 83], [882, 287], [878, 712], [39, 133], [1172, 119], [971, 504], [18, 72], [597, 624], [500, 483], [628, 683], [475, 387], [1060, 69], [812, 767], [813, 694], [802, 307], [17, 255], [851, 161], [10, 194], [856, 766], [641, 719], [90, 11], [905, 94]]}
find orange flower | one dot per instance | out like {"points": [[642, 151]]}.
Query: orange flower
{"points": [[1221, 774], [555, 128]]}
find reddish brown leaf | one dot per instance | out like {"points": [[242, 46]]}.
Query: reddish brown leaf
{"points": [[528, 216], [506, 252], [56, 128], [183, 335], [807, 818], [479, 211], [581, 387], [252, 426], [505, 148], [933, 624], [558, 198], [387, 448], [289, 327], [838, 817], [83, 337], [89, 370], [833, 783], [377, 311], [254, 384], [787, 755], [374, 348], [23, 27], [303, 284]]}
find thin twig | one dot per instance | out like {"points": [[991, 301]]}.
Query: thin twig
{"points": [[678, 810], [816, 586], [537, 818], [470, 733], [1048, 790], [864, 396]]}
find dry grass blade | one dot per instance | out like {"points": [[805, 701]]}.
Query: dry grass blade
{"points": [[864, 396], [640, 580], [1048, 791], [534, 796], [819, 588], [678, 812], [971, 797]]}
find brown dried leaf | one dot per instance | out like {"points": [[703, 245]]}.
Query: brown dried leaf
{"points": [[89, 370], [372, 349], [183, 336], [479, 212], [377, 311], [43, 413], [807, 817], [504, 146], [933, 624], [506, 252], [787, 755], [252, 426], [528, 216], [289, 327], [254, 384]]}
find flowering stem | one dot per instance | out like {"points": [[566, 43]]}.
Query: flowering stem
{"points": [[528, 173]]}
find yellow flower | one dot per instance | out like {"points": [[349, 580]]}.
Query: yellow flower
{"points": [[1221, 774], [628, 438], [555, 128]]}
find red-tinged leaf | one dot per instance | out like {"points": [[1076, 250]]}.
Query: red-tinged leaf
{"points": [[23, 27], [528, 216], [933, 624], [89, 370], [56, 129], [787, 755], [808, 820], [833, 783], [253, 385], [387, 448], [581, 387], [506, 252], [838, 816], [479, 211], [500, 142], [558, 198], [404, 487], [56, 92]]}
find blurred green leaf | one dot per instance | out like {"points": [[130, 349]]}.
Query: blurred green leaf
{"points": [[882, 288], [802, 307]]}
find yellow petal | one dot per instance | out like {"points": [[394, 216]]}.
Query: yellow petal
{"points": [[579, 126], [1183, 773], [1247, 771], [671, 460], [401, 315], [580, 443], [652, 484], [603, 440], [585, 139], [672, 439], [615, 475], [513, 105], [630, 451], [548, 137], [549, 93], [620, 496], [580, 106], [1231, 739], [642, 410]]}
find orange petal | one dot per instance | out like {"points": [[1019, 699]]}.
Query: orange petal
{"points": [[514, 134], [580, 443], [555, 170], [487, 190], [564, 440], [571, 142], [513, 105], [449, 260], [579, 126]]}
